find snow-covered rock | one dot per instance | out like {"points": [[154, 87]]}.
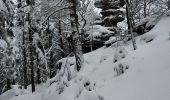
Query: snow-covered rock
{"points": [[147, 38], [110, 41], [120, 54], [120, 68]]}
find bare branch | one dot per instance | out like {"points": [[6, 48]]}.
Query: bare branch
{"points": [[54, 13]]}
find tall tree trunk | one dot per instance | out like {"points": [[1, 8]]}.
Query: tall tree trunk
{"points": [[91, 39], [60, 39], [8, 82], [75, 36], [24, 62], [83, 30], [30, 3], [50, 61], [32, 60], [8, 64], [144, 8], [24, 55], [51, 65], [130, 24], [38, 69]]}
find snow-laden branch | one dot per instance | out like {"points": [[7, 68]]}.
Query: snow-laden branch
{"points": [[54, 13]]}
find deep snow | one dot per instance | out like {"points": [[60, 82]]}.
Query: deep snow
{"points": [[147, 78]]}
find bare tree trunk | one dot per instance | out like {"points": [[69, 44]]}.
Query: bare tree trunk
{"points": [[24, 55], [130, 24], [30, 3], [75, 36], [38, 69], [8, 82], [31, 58], [91, 39], [24, 62], [61, 44], [144, 8], [50, 60], [38, 76]]}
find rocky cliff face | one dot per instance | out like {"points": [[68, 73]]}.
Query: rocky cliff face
{"points": [[111, 12]]}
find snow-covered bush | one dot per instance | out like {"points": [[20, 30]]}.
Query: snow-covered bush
{"points": [[147, 38], [61, 86], [86, 83], [103, 58], [120, 68], [62, 77], [120, 53], [89, 85], [92, 95], [110, 41], [167, 13], [86, 89]]}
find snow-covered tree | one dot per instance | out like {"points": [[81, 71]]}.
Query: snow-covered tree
{"points": [[74, 37], [7, 56]]}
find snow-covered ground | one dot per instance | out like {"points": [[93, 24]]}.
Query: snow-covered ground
{"points": [[116, 73]]}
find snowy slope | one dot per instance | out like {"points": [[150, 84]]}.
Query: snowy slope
{"points": [[147, 77]]}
